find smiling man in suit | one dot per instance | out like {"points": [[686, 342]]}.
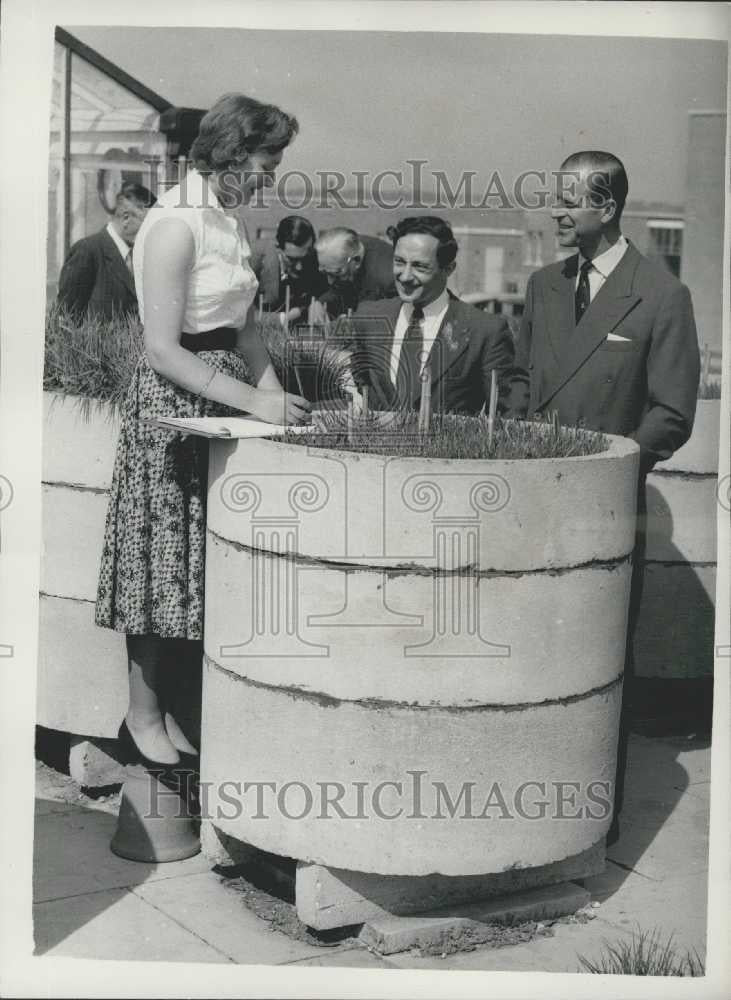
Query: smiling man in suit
{"points": [[610, 343], [97, 278], [426, 325]]}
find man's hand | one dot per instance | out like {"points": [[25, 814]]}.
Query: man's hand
{"points": [[317, 313]]}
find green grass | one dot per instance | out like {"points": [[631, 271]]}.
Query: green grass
{"points": [[308, 361], [450, 436], [644, 955], [93, 359]]}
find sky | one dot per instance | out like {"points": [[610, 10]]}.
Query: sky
{"points": [[371, 100]]}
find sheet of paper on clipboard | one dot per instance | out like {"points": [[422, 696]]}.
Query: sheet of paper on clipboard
{"points": [[227, 427]]}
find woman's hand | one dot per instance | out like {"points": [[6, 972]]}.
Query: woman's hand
{"points": [[279, 407]]}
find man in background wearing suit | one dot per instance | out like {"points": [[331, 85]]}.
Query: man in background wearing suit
{"points": [[97, 277], [426, 326], [356, 268], [290, 261], [610, 342]]}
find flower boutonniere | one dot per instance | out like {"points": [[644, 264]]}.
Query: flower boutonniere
{"points": [[449, 337]]}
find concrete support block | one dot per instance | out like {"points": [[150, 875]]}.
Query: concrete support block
{"points": [[93, 762], [332, 897], [437, 928], [224, 851]]}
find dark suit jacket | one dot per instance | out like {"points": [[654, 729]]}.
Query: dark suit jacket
{"points": [[95, 278], [267, 267], [373, 282], [469, 345], [643, 387]]}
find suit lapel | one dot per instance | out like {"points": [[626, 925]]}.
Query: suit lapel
{"points": [[611, 304], [271, 274], [560, 309], [117, 266], [450, 343], [375, 331]]}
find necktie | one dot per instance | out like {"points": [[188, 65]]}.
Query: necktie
{"points": [[582, 297], [128, 262], [410, 359]]}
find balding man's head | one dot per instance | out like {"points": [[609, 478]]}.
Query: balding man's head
{"points": [[339, 254]]}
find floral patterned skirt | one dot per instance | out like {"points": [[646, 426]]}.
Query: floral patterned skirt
{"points": [[151, 579]]}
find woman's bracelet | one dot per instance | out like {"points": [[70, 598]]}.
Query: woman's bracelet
{"points": [[208, 382]]}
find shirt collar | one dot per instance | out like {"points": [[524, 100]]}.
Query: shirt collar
{"points": [[200, 194], [434, 308], [123, 248], [606, 262]]}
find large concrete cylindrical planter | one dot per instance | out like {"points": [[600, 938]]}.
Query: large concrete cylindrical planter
{"points": [[82, 669], [379, 625], [674, 636]]}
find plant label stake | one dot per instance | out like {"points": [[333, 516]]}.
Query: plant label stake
{"points": [[425, 401], [261, 307], [492, 408], [364, 394], [350, 419]]}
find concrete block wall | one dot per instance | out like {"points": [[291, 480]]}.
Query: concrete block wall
{"points": [[82, 669], [674, 636]]}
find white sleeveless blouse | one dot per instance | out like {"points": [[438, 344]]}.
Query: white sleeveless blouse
{"points": [[222, 285]]}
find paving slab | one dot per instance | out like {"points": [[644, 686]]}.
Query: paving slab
{"points": [[556, 953], [205, 906], [469, 923], [659, 849], [675, 906], [356, 958], [72, 857], [115, 924]]}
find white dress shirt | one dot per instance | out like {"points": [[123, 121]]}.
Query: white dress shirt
{"points": [[221, 284], [434, 314], [602, 266], [123, 248]]}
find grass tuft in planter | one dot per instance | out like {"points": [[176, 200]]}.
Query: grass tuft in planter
{"points": [[449, 436], [93, 359], [709, 389]]}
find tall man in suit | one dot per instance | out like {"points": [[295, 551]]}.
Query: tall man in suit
{"points": [[426, 326], [289, 262], [356, 268], [97, 277], [609, 340]]}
